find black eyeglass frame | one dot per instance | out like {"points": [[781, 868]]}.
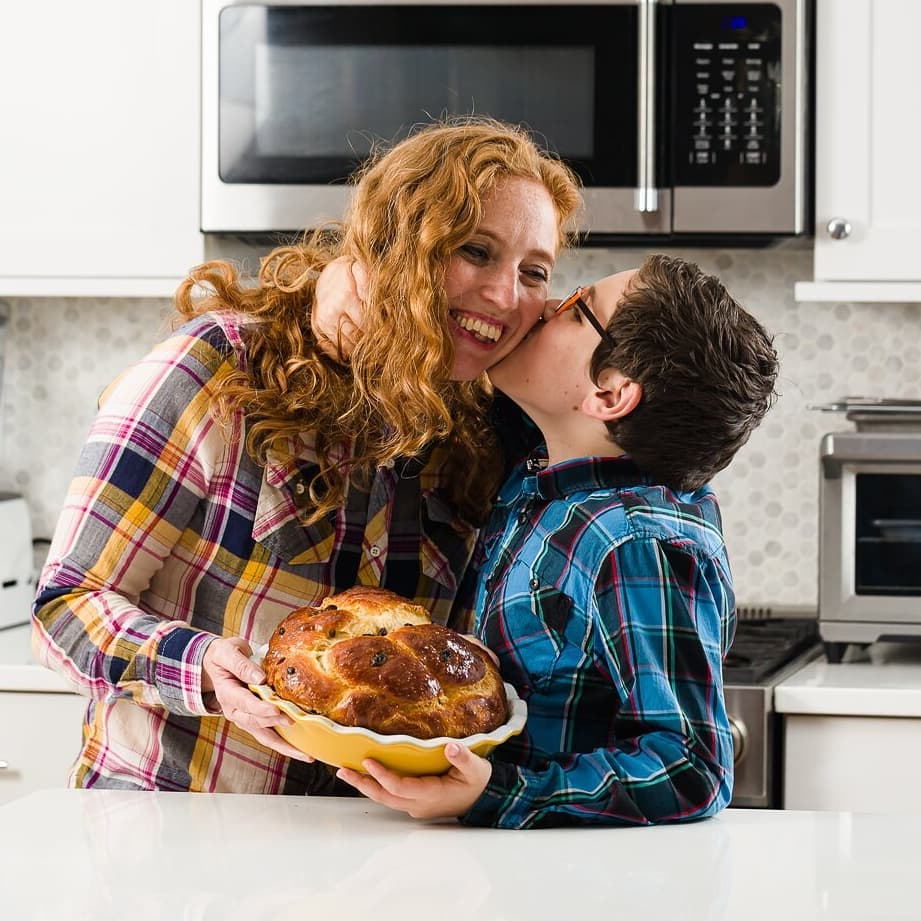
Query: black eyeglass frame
{"points": [[576, 299]]}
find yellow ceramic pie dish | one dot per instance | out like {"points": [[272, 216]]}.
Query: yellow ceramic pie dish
{"points": [[348, 746]]}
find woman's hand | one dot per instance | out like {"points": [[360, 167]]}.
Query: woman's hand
{"points": [[337, 315], [226, 672], [435, 797]]}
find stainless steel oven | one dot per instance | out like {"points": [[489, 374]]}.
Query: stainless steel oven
{"points": [[870, 525], [769, 646], [683, 118]]}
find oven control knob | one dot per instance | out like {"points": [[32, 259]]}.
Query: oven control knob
{"points": [[839, 228], [739, 739]]}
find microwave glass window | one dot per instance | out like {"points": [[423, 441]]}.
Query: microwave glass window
{"points": [[306, 92], [888, 534], [343, 88]]}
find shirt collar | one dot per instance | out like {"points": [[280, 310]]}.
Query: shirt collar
{"points": [[298, 463], [584, 474]]}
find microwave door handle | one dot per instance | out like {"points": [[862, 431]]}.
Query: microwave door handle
{"points": [[646, 198]]}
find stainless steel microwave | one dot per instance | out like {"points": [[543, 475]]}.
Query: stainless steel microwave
{"points": [[683, 118], [870, 527]]}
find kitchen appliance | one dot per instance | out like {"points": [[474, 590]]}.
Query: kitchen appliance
{"points": [[765, 651], [870, 524], [17, 573], [684, 119]]}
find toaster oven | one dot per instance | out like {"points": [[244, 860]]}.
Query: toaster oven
{"points": [[870, 526]]}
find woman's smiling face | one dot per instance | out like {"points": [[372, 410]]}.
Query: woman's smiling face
{"points": [[497, 282]]}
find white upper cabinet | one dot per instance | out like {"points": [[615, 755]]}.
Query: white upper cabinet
{"points": [[99, 167], [868, 143]]}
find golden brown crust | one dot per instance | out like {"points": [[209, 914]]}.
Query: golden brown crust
{"points": [[367, 657]]}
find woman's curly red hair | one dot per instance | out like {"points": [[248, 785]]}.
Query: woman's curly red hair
{"points": [[412, 207]]}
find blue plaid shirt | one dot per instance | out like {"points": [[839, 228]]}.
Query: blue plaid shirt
{"points": [[609, 602]]}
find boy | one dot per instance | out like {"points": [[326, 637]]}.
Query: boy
{"points": [[606, 591]]}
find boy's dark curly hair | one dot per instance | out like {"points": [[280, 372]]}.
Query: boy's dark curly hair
{"points": [[707, 368]]}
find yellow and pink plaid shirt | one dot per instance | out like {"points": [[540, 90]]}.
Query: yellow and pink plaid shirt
{"points": [[171, 534]]}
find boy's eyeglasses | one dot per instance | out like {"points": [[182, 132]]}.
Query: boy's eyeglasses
{"points": [[577, 299]]}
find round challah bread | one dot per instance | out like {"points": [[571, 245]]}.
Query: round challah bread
{"points": [[367, 657]]}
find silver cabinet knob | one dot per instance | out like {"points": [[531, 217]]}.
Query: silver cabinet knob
{"points": [[839, 228]]}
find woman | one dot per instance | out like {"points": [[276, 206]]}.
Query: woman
{"points": [[237, 472]]}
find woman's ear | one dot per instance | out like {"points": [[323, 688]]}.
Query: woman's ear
{"points": [[614, 397]]}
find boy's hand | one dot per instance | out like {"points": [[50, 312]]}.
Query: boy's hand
{"points": [[337, 314], [435, 797]]}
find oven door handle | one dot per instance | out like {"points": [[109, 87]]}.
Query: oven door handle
{"points": [[739, 733], [646, 197]]}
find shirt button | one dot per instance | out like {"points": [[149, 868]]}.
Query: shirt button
{"points": [[375, 551], [522, 517], [534, 584]]}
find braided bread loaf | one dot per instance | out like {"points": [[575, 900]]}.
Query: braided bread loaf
{"points": [[367, 657]]}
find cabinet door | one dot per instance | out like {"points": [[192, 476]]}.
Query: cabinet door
{"points": [[852, 763], [39, 740], [868, 137], [100, 154]]}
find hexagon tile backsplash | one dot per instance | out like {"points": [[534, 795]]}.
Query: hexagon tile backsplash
{"points": [[59, 353]]}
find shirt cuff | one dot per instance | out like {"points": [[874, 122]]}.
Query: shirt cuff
{"points": [[178, 671], [487, 810]]}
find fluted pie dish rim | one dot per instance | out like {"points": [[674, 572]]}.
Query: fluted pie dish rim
{"points": [[348, 746]]}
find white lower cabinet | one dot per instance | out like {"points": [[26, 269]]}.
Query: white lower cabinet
{"points": [[852, 763], [39, 740]]}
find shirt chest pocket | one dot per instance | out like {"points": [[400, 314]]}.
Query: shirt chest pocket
{"points": [[531, 629]]}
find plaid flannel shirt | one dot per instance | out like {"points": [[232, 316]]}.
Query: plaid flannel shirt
{"points": [[171, 535], [609, 602]]}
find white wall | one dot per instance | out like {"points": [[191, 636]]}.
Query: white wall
{"points": [[60, 353]]}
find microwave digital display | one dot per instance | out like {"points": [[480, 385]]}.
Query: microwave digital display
{"points": [[734, 23]]}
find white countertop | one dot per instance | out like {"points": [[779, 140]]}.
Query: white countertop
{"points": [[75, 855], [18, 670], [884, 680]]}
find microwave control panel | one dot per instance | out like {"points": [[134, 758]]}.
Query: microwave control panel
{"points": [[727, 94]]}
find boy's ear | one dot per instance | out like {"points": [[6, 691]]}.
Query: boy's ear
{"points": [[614, 397]]}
